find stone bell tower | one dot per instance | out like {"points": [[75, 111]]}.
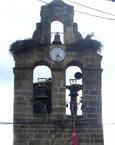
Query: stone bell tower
{"points": [[40, 108]]}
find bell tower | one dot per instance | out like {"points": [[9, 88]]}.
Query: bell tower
{"points": [[40, 107]]}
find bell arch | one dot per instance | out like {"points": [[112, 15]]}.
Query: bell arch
{"points": [[41, 71], [42, 86], [57, 26], [70, 80]]}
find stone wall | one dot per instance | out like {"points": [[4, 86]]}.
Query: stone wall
{"points": [[31, 129]]}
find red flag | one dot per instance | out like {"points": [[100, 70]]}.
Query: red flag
{"points": [[74, 140]]}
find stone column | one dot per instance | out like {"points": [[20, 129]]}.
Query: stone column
{"points": [[46, 32], [58, 92], [23, 92], [92, 91], [92, 113], [68, 30]]}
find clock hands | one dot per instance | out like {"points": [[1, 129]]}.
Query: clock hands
{"points": [[57, 54], [58, 57]]}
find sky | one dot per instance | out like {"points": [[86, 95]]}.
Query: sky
{"points": [[18, 22]]}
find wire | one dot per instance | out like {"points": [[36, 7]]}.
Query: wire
{"points": [[43, 1], [97, 16], [6, 123], [53, 122], [84, 6], [91, 8]]}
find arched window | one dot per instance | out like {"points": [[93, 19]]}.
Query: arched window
{"points": [[70, 76], [42, 85], [41, 71], [57, 26]]}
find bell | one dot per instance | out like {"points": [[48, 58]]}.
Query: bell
{"points": [[57, 39]]}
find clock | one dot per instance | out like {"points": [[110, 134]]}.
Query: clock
{"points": [[57, 54]]}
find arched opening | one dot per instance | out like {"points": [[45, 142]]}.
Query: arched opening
{"points": [[42, 85], [70, 80], [57, 26], [41, 71]]}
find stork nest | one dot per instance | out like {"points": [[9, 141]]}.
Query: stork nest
{"points": [[87, 45], [22, 46]]}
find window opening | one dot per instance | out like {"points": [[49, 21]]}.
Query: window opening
{"points": [[70, 80], [42, 84], [41, 71], [57, 26]]}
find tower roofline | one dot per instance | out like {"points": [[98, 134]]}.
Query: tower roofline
{"points": [[58, 3]]}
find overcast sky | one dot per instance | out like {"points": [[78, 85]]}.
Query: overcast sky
{"points": [[18, 20]]}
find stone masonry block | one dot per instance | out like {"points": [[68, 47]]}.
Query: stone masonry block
{"points": [[54, 103], [55, 89], [90, 110], [23, 110], [58, 110], [93, 103], [58, 96], [35, 142], [90, 97], [62, 90], [61, 103], [96, 135], [95, 92], [22, 103], [93, 115], [21, 142]]}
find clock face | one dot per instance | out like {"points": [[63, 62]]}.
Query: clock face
{"points": [[57, 54]]}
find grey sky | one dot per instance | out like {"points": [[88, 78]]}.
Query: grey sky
{"points": [[6, 74]]}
